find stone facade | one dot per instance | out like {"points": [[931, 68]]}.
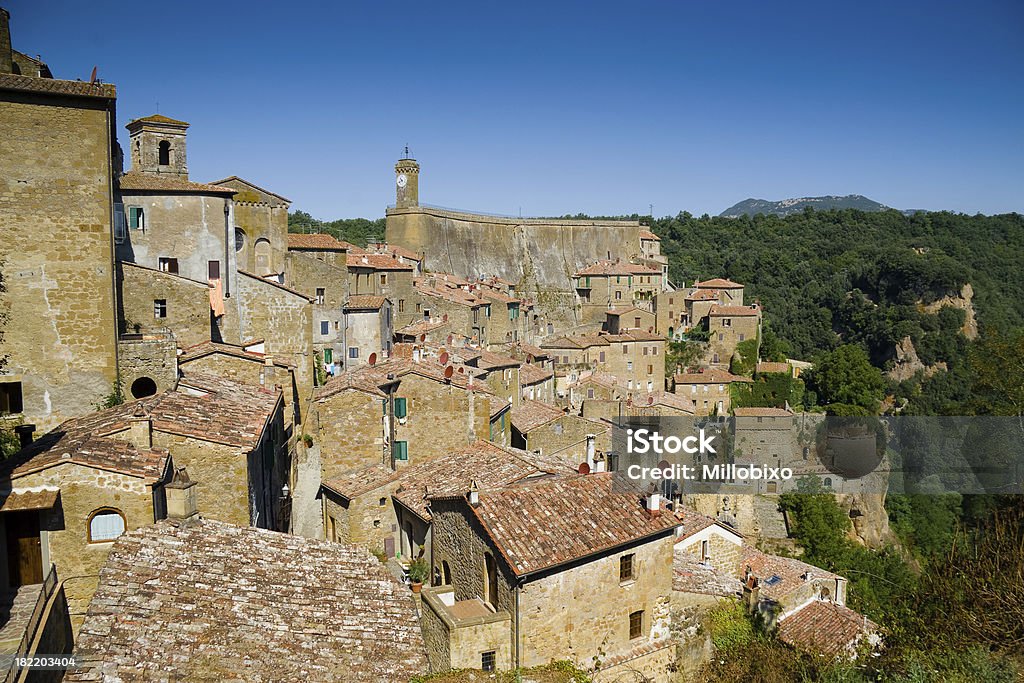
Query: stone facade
{"points": [[260, 227], [57, 164], [327, 286], [368, 330], [155, 302], [728, 326], [149, 363], [349, 426]]}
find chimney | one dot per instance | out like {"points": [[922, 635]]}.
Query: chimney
{"points": [[181, 496], [652, 502], [25, 431], [6, 65], [141, 429], [267, 376], [590, 451], [474, 494]]}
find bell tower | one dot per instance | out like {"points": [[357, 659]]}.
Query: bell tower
{"points": [[158, 146], [407, 181]]}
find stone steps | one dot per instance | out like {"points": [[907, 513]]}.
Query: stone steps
{"points": [[769, 518]]}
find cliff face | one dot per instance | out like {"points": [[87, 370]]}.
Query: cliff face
{"points": [[963, 301]]}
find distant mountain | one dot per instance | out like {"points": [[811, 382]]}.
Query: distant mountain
{"points": [[786, 207]]}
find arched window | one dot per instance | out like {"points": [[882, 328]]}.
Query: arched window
{"points": [[143, 387], [239, 239], [262, 256], [105, 524], [446, 574], [828, 482], [165, 153]]}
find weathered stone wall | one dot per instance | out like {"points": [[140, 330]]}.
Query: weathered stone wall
{"points": [[459, 643], [504, 382], [56, 254], [153, 356], [260, 221], [363, 520], [349, 426], [463, 320], [306, 273], [567, 436], [723, 341], [583, 612], [369, 332], [188, 304], [285, 321], [540, 255], [705, 398], [84, 490]]}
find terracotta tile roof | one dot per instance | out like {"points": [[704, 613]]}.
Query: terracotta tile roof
{"points": [[448, 292], [689, 575], [825, 628], [315, 242], [703, 295], [158, 118], [208, 348], [146, 182], [488, 360], [359, 481], [718, 283], [634, 336], [375, 261], [530, 350], [395, 251], [709, 376], [769, 367], [210, 601], [420, 327], [617, 268], [276, 284], [789, 572], [544, 523], [369, 379], [577, 342], [735, 311], [29, 499], [661, 398], [761, 412], [533, 374], [648, 235], [57, 87], [691, 522], [486, 463], [532, 414], [626, 310], [243, 181], [365, 302], [600, 378], [495, 295]]}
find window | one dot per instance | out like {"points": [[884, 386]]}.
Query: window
{"points": [[321, 294], [565, 360], [626, 567], [487, 660], [239, 239], [636, 322], [726, 322], [705, 551], [625, 349], [590, 393], [645, 350], [165, 153], [159, 308], [650, 386], [168, 265], [143, 387], [721, 337], [636, 624], [401, 305], [654, 350], [262, 249], [601, 356], [401, 450], [382, 502], [213, 270], [119, 224], [328, 356], [136, 218], [353, 352], [629, 365], [325, 327], [418, 307], [650, 369], [618, 294], [105, 524], [401, 408], [383, 279], [10, 398]]}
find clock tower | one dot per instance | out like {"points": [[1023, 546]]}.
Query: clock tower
{"points": [[407, 182]]}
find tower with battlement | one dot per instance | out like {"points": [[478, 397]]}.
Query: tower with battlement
{"points": [[407, 182]]}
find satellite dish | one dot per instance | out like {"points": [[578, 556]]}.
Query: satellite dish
{"points": [[423, 337], [462, 370], [448, 372], [650, 400], [372, 360], [450, 338], [443, 358], [584, 468], [92, 78]]}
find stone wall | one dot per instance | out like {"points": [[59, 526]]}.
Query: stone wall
{"points": [[284, 320], [56, 254], [459, 643], [362, 520], [306, 273], [540, 255], [724, 339], [188, 304], [65, 528], [260, 222], [567, 436], [150, 356], [349, 426]]}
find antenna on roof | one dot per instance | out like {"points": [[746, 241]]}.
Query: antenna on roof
{"points": [[407, 151]]}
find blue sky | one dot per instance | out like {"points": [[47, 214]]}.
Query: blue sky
{"points": [[566, 107]]}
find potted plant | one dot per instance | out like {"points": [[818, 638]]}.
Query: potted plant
{"points": [[418, 573]]}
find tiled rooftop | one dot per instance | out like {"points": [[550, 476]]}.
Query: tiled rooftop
{"points": [[761, 412], [825, 628], [718, 283], [790, 572], [735, 311], [149, 182], [57, 87], [213, 602], [207, 348], [544, 523], [363, 479], [375, 261], [315, 241], [648, 235], [369, 378], [530, 415], [533, 374], [158, 118], [617, 268], [365, 302], [420, 327], [689, 575], [709, 376]]}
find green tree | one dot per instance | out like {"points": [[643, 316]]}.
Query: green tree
{"points": [[846, 376]]}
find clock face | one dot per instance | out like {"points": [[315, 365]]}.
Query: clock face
{"points": [[402, 180]]}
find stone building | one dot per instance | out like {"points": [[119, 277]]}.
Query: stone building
{"points": [[537, 383], [615, 284], [368, 331], [501, 373], [383, 275], [728, 326], [525, 562], [541, 427], [764, 437], [315, 266], [440, 298], [710, 391], [635, 358], [389, 413], [260, 235], [245, 604], [387, 510], [56, 256], [67, 496], [163, 302], [629, 318]]}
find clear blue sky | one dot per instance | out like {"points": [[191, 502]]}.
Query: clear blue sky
{"points": [[566, 107]]}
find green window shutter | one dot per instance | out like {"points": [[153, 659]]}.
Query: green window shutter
{"points": [[401, 409], [401, 450], [328, 356], [133, 217]]}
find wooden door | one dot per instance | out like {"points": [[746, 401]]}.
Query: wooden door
{"points": [[24, 552]]}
